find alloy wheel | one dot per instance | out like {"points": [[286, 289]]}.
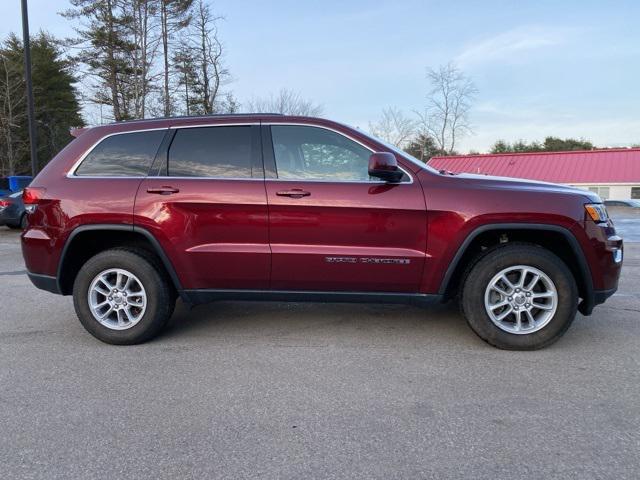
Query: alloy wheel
{"points": [[521, 299]]}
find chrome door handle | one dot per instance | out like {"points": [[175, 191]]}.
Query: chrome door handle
{"points": [[164, 190], [293, 193]]}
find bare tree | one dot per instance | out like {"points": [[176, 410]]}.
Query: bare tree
{"points": [[213, 74], [144, 26], [12, 114], [174, 16], [394, 127], [446, 116], [287, 102], [199, 62]]}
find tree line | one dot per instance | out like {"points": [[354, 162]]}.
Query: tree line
{"points": [[550, 144]]}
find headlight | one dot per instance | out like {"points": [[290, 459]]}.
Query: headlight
{"points": [[597, 212]]}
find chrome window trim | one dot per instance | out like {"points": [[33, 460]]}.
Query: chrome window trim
{"points": [[235, 179], [72, 171]]}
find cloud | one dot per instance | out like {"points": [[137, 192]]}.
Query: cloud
{"points": [[512, 44]]}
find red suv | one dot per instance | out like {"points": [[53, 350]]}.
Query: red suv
{"points": [[133, 215]]}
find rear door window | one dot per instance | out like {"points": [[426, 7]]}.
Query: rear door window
{"points": [[213, 152], [122, 155]]}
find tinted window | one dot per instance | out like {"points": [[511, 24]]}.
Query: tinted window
{"points": [[635, 192], [310, 153], [222, 152], [124, 155]]}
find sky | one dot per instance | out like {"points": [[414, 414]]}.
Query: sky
{"points": [[562, 67]]}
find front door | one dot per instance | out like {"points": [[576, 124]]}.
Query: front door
{"points": [[207, 206], [332, 228]]}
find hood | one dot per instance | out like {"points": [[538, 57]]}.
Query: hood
{"points": [[508, 183]]}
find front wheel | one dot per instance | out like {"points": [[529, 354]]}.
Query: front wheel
{"points": [[123, 296], [519, 297]]}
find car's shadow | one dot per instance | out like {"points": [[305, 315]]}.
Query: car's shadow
{"points": [[318, 323]]}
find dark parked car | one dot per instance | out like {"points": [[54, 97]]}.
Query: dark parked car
{"points": [[12, 212], [132, 215], [622, 203]]}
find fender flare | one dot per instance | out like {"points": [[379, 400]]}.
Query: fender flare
{"points": [[166, 262], [588, 302]]}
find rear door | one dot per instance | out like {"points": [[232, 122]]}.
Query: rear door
{"points": [[206, 204], [332, 228]]}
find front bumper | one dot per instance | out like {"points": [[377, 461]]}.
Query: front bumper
{"points": [[601, 296]]}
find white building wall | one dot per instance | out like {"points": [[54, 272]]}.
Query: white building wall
{"points": [[610, 191], [620, 192]]}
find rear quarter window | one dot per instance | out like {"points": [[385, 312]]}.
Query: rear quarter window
{"points": [[122, 155]]}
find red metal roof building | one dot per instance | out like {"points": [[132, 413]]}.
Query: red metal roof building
{"points": [[613, 174]]}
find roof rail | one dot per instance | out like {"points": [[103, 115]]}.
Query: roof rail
{"points": [[183, 117]]}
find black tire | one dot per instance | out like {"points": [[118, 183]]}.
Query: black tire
{"points": [[489, 264], [161, 296], [21, 225]]}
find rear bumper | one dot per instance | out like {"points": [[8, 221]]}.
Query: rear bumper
{"points": [[9, 218], [45, 282]]}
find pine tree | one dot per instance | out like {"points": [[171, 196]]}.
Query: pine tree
{"points": [[56, 104], [107, 49]]}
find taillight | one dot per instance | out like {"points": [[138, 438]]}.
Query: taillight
{"points": [[4, 204], [31, 196]]}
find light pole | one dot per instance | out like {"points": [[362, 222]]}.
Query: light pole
{"points": [[33, 140]]}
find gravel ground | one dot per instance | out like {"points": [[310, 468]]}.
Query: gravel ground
{"points": [[288, 390]]}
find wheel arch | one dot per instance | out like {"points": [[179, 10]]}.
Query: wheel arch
{"points": [[87, 240], [544, 235]]}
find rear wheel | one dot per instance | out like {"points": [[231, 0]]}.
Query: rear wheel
{"points": [[519, 297], [123, 296]]}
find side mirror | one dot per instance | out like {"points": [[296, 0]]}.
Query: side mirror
{"points": [[383, 165]]}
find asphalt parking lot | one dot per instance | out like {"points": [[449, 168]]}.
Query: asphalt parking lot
{"points": [[287, 390]]}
